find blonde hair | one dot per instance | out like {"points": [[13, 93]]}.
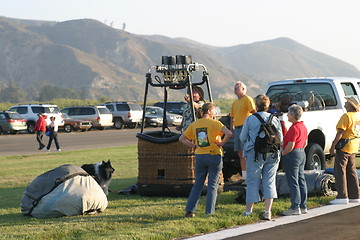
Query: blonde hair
{"points": [[262, 102], [205, 109]]}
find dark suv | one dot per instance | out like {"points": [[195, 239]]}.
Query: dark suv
{"points": [[172, 107]]}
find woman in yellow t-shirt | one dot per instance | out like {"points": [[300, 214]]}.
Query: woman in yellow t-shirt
{"points": [[346, 179], [205, 136]]}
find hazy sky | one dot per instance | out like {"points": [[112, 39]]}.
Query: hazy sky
{"points": [[328, 26]]}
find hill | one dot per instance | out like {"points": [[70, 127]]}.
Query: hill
{"points": [[97, 60]]}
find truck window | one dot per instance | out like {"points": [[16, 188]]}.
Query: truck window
{"points": [[349, 89], [311, 96], [110, 107]]}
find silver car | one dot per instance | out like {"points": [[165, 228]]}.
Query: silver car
{"points": [[99, 116], [172, 119], [11, 122]]}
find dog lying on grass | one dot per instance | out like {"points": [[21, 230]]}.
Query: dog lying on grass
{"points": [[101, 172]]}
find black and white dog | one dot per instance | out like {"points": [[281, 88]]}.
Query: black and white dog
{"points": [[101, 172]]}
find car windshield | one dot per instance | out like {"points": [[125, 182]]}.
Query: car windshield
{"points": [[15, 116], [65, 115], [104, 110], [155, 111], [50, 109], [314, 96]]}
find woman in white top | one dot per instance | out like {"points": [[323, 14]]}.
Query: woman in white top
{"points": [[53, 128]]}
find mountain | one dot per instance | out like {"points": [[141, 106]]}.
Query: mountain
{"points": [[97, 60]]}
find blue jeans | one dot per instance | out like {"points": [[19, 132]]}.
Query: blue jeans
{"points": [[206, 165], [261, 173], [294, 163], [53, 136], [238, 145]]}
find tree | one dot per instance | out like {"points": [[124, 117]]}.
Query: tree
{"points": [[48, 93], [13, 93]]}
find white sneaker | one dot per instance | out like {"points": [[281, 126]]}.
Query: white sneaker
{"points": [[47, 150], [304, 210], [339, 201], [291, 212], [266, 215], [354, 200], [58, 150], [245, 214]]}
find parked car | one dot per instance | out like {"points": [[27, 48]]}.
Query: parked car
{"points": [[74, 124], [125, 114], [11, 122], [172, 119], [29, 113], [176, 107], [99, 116], [152, 119]]}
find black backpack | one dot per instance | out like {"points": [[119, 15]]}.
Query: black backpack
{"points": [[268, 139]]}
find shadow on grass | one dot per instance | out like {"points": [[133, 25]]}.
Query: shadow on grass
{"points": [[17, 219]]}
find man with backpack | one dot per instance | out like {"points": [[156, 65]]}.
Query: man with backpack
{"points": [[261, 139]]}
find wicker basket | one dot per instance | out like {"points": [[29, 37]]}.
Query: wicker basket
{"points": [[166, 169], [171, 163]]}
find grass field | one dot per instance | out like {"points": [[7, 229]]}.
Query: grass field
{"points": [[127, 216]]}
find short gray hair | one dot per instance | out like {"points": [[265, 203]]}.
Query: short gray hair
{"points": [[296, 110], [241, 84]]}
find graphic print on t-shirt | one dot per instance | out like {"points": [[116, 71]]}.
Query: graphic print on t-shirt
{"points": [[202, 137], [357, 129]]}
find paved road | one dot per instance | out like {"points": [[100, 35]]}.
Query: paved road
{"points": [[26, 144], [330, 222]]}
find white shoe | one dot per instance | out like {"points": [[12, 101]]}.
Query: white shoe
{"points": [[58, 150], [354, 200], [47, 150], [304, 210], [245, 214], [339, 201], [266, 215], [292, 212]]}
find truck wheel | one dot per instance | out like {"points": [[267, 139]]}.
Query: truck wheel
{"points": [[132, 125], [315, 157], [118, 123], [30, 127]]}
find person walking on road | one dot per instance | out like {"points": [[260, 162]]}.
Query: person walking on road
{"points": [[346, 179], [294, 158], [241, 108], [205, 136], [261, 172], [40, 129], [53, 128]]}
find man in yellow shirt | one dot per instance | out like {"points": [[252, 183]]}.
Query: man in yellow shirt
{"points": [[241, 108]]}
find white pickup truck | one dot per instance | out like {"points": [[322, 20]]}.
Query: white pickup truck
{"points": [[323, 102]]}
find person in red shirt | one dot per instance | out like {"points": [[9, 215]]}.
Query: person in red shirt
{"points": [[294, 158], [40, 129]]}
